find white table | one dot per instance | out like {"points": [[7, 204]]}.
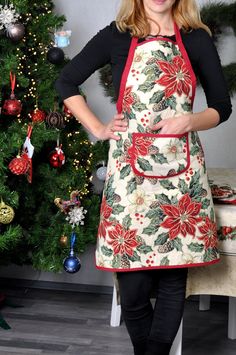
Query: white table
{"points": [[218, 279]]}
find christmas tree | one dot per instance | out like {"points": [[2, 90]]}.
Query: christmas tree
{"points": [[32, 228]]}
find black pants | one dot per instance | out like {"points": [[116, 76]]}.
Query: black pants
{"points": [[152, 331]]}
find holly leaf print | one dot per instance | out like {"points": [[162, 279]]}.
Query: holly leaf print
{"points": [[139, 107], [126, 223], [131, 186], [116, 262], [165, 261], [109, 191], [146, 86], [144, 249], [106, 251], [159, 158], [210, 254], [183, 187], [177, 244], [163, 199], [134, 257], [205, 203], [186, 107], [194, 150], [167, 184], [196, 248], [150, 230], [161, 239], [117, 209], [159, 55], [117, 153], [144, 164], [120, 142], [157, 97], [140, 128], [171, 102], [125, 171]]}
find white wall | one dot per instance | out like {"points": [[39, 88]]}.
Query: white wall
{"points": [[85, 18]]}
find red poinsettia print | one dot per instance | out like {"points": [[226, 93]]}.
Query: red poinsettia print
{"points": [[141, 146], [182, 218], [176, 77], [122, 241], [209, 233], [105, 211], [128, 99]]}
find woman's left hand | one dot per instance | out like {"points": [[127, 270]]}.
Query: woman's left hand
{"points": [[173, 125]]}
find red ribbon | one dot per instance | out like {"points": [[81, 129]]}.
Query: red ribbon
{"points": [[13, 82], [29, 131]]}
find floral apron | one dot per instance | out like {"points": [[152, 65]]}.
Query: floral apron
{"points": [[157, 209]]}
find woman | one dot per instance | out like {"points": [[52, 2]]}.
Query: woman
{"points": [[157, 216]]}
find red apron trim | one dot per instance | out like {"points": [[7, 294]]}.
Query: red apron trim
{"points": [[158, 267], [187, 60], [126, 73]]}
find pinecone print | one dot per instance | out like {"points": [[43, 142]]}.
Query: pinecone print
{"points": [[171, 172], [117, 198], [139, 179], [153, 181], [125, 263], [154, 204], [165, 248], [160, 106], [127, 144], [153, 150], [203, 193], [151, 61]]}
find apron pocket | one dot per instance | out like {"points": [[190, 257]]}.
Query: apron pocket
{"points": [[159, 155]]}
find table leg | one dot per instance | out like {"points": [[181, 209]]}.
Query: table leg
{"points": [[176, 348], [115, 310], [204, 302], [232, 318]]}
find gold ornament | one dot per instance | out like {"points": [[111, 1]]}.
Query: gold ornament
{"points": [[64, 240], [6, 213]]}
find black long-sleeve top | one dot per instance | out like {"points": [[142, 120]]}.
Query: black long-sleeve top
{"points": [[111, 46]]}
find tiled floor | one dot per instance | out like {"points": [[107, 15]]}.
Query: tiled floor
{"points": [[57, 322]]}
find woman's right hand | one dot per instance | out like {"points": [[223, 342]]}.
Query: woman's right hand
{"points": [[117, 124]]}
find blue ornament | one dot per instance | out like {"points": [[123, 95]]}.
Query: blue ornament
{"points": [[72, 263]]}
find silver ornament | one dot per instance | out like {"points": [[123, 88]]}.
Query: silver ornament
{"points": [[15, 31], [101, 173]]}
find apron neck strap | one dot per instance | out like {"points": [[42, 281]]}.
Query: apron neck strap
{"points": [[177, 33]]}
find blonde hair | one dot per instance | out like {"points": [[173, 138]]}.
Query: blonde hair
{"points": [[132, 17]]}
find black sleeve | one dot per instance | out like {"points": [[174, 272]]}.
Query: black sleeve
{"points": [[93, 56], [209, 71]]}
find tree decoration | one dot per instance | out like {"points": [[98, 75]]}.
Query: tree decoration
{"points": [[101, 171], [6, 213], [216, 16], [37, 116], [66, 205], [55, 120], [15, 31], [63, 240], [76, 216], [55, 55], [20, 164], [72, 262], [8, 15], [57, 157], [62, 38], [12, 107]]}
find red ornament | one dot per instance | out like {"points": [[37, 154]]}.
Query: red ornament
{"points": [[67, 111], [37, 116], [12, 107], [57, 158], [20, 164]]}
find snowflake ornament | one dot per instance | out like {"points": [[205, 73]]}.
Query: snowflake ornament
{"points": [[76, 216], [8, 15]]}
